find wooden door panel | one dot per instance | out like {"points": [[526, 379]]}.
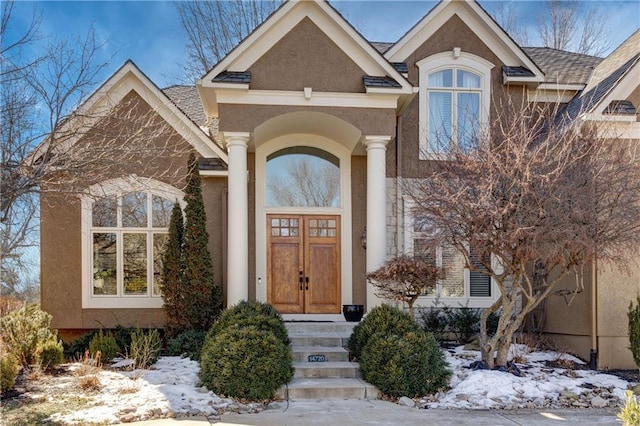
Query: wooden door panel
{"points": [[284, 263], [324, 277]]}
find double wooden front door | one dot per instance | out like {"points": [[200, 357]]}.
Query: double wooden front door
{"points": [[303, 263]]}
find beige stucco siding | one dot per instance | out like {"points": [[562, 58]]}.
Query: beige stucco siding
{"points": [[61, 236], [634, 98], [306, 57], [358, 220]]}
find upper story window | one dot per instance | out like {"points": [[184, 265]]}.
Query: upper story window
{"points": [[125, 230], [459, 285], [454, 100]]}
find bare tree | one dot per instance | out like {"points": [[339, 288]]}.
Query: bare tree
{"points": [[213, 28], [307, 183], [535, 190], [574, 26], [51, 141], [506, 14]]}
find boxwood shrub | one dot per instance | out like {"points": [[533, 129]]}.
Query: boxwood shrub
{"points": [[50, 354], [383, 320], [409, 364], [245, 362]]}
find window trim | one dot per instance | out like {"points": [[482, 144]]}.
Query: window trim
{"points": [[115, 187], [454, 302], [450, 60]]}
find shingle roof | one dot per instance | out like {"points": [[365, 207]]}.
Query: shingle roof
{"points": [[381, 46], [563, 67], [620, 108], [372, 81], [211, 164], [186, 98], [622, 54], [401, 67], [517, 72], [243, 77]]}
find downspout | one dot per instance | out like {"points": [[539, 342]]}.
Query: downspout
{"points": [[593, 355]]}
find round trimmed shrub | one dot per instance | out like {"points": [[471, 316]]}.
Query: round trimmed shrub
{"points": [[188, 343], [245, 363], [50, 354], [8, 371], [404, 365], [244, 314], [106, 344], [383, 320]]}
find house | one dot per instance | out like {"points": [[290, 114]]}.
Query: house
{"points": [[305, 99]]}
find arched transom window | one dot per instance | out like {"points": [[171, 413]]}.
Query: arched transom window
{"points": [[303, 177]]}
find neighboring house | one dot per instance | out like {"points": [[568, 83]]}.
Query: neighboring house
{"points": [[305, 99]]}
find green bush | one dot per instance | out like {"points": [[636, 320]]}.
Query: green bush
{"points": [[8, 371], [245, 363], [23, 331], [75, 349], [50, 354], [382, 320], [260, 315], [634, 330], [145, 347], [123, 337], [106, 344], [188, 343], [463, 323], [435, 320], [630, 413], [404, 365]]}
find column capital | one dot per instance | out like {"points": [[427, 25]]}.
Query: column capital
{"points": [[236, 138], [376, 141]]}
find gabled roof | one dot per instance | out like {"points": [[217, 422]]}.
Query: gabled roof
{"points": [[479, 21], [563, 67], [130, 78], [186, 98], [611, 82], [325, 17]]}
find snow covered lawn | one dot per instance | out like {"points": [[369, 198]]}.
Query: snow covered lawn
{"points": [[170, 389]]}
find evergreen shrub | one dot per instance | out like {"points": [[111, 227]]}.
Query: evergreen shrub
{"points": [[106, 344], [383, 320], [188, 343], [260, 315], [410, 364], [245, 362], [76, 348], [634, 330], [50, 354], [8, 370], [23, 331]]}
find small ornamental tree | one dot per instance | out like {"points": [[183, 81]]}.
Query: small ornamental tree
{"points": [[634, 330], [203, 298], [172, 274], [404, 279]]}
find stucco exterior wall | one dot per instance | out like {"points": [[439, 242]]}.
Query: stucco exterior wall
{"points": [[306, 57], [245, 118], [61, 235], [358, 220], [634, 98]]}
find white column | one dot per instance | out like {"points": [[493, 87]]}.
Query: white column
{"points": [[237, 218], [376, 208]]}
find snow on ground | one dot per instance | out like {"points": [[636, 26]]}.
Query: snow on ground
{"points": [[170, 388]]}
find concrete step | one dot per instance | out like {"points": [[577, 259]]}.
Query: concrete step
{"points": [[305, 388], [326, 339], [343, 327], [327, 369], [332, 354]]}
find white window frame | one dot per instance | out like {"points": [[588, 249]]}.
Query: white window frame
{"points": [[451, 60], [116, 188], [454, 302]]}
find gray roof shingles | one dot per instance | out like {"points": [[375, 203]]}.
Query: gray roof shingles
{"points": [[372, 81], [621, 108], [517, 72], [242, 77], [186, 98], [563, 67]]}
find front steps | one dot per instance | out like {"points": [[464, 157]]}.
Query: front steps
{"points": [[335, 377]]}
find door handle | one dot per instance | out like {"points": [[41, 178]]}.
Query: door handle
{"points": [[306, 279], [301, 279]]}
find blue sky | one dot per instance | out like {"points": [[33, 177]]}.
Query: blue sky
{"points": [[150, 34]]}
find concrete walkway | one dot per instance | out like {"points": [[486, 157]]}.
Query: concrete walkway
{"points": [[376, 412]]}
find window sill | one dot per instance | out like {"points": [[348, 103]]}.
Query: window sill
{"points": [[106, 302]]}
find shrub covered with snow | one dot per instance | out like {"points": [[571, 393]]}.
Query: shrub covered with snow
{"points": [[245, 362], [383, 320]]}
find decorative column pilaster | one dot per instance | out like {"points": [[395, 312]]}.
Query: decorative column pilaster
{"points": [[237, 218], [376, 208]]}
